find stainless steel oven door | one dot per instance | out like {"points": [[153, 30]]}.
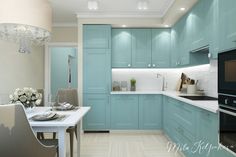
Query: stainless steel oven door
{"points": [[227, 129]]}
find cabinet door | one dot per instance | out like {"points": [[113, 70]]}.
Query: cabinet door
{"points": [[141, 48], [97, 71], [150, 112], [121, 48], [124, 112], [174, 48], [98, 118], [96, 36], [227, 23], [184, 31], [160, 48], [202, 19]]}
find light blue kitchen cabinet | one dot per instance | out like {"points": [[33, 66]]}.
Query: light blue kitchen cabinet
{"points": [[97, 71], [202, 19], [121, 48], [166, 116], [192, 128], [141, 48], [174, 57], [227, 23], [180, 41], [98, 118], [96, 36], [124, 112], [161, 48], [184, 31], [150, 112], [214, 29]]}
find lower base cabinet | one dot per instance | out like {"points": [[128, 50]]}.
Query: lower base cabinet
{"points": [[193, 130], [124, 112], [150, 112], [136, 112], [98, 118]]}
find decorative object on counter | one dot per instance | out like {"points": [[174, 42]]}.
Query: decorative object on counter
{"points": [[191, 89], [29, 97], [187, 85], [124, 86], [133, 85], [116, 86]]}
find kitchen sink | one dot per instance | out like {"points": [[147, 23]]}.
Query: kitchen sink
{"points": [[200, 98]]}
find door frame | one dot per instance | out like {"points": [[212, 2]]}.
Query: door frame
{"points": [[47, 64]]}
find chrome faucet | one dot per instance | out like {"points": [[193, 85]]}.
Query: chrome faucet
{"points": [[164, 83]]}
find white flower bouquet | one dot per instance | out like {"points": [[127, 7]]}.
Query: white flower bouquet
{"points": [[29, 97]]}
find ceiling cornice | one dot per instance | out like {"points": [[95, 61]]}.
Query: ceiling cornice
{"points": [[119, 15], [65, 24]]}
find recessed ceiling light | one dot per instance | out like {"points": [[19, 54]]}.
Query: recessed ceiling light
{"points": [[92, 5], [182, 9], [142, 5], [166, 25], [124, 26]]}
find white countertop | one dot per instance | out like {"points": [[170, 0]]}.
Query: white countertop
{"points": [[211, 106]]}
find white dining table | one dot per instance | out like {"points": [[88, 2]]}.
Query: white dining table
{"points": [[71, 118]]}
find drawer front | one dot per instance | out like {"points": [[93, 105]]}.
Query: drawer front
{"points": [[184, 114]]}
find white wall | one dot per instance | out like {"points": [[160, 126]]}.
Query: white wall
{"points": [[64, 34], [20, 70], [147, 78]]}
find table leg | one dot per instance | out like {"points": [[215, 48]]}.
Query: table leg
{"points": [[62, 142], [78, 139]]}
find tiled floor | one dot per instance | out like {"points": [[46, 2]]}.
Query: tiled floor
{"points": [[124, 145]]}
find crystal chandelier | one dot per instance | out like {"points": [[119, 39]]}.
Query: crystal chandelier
{"points": [[26, 22]]}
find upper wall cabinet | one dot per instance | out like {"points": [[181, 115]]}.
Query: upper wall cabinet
{"points": [[174, 49], [96, 36], [227, 17], [121, 48], [141, 48], [185, 34], [161, 48], [202, 19], [180, 41]]}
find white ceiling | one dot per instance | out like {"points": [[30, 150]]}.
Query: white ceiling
{"points": [[66, 11]]}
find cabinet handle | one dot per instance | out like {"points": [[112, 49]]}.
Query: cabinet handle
{"points": [[209, 55], [149, 65], [129, 65], [154, 65]]}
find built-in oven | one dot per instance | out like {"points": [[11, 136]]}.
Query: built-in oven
{"points": [[227, 99], [227, 72], [227, 117]]}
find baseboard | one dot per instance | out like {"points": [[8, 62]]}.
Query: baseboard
{"points": [[136, 131]]}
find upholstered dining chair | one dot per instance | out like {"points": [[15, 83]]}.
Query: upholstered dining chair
{"points": [[16, 136], [69, 96]]}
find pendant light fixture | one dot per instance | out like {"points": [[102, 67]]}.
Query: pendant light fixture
{"points": [[25, 22]]}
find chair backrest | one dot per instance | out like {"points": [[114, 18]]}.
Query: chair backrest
{"points": [[68, 95], [42, 92], [16, 136]]}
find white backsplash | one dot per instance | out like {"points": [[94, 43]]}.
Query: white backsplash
{"points": [[147, 78]]}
